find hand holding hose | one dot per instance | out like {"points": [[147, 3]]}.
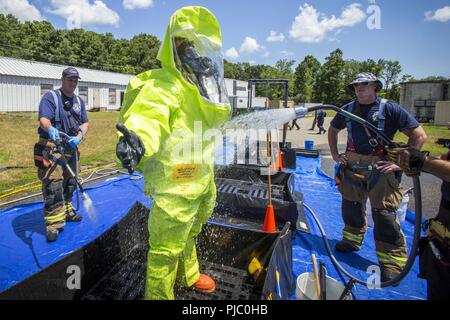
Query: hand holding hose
{"points": [[409, 159], [129, 149], [74, 142], [53, 134]]}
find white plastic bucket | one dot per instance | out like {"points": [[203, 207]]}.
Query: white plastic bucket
{"points": [[401, 212], [370, 222], [306, 288]]}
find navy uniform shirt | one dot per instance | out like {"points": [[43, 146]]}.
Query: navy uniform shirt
{"points": [[70, 120], [397, 119]]}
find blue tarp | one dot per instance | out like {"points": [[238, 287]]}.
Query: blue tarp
{"points": [[24, 251], [23, 248], [322, 196]]}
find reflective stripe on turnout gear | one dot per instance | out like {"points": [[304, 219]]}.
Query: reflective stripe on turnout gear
{"points": [[385, 258], [61, 216], [353, 237]]}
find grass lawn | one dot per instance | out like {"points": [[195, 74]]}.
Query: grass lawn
{"points": [[18, 134], [433, 134]]}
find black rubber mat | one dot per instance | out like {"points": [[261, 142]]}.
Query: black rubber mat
{"points": [[126, 281], [249, 188], [231, 284]]}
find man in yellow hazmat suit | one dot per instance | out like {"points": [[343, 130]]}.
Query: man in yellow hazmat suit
{"points": [[164, 110]]}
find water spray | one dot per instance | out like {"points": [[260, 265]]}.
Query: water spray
{"points": [[87, 201]]}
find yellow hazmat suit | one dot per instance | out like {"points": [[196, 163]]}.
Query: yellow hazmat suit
{"points": [[170, 109]]}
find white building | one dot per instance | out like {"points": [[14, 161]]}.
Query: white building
{"points": [[22, 84], [420, 97]]}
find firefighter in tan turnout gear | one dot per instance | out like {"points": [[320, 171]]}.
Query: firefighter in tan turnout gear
{"points": [[365, 173]]}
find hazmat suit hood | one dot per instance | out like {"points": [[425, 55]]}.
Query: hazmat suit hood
{"points": [[192, 50], [176, 122]]}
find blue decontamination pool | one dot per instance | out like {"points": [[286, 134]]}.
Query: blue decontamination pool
{"points": [[24, 251]]}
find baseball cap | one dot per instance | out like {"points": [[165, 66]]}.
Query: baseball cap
{"points": [[70, 73]]}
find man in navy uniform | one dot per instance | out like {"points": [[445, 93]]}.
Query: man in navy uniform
{"points": [[60, 110]]}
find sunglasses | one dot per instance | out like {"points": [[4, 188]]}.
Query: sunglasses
{"points": [[364, 84]]}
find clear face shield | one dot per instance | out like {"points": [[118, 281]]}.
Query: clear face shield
{"points": [[201, 64]]}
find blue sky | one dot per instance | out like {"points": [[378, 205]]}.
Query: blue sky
{"points": [[417, 33]]}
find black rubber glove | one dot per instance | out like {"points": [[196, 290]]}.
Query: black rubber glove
{"points": [[409, 159], [129, 149]]}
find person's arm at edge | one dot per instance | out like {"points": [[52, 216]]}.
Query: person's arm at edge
{"points": [[437, 167]]}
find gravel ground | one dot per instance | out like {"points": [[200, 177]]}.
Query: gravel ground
{"points": [[431, 186]]}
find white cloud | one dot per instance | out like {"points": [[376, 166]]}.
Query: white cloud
{"points": [[232, 53], [275, 37], [137, 4], [250, 46], [21, 9], [287, 53], [78, 12], [312, 26], [266, 54], [441, 15]]}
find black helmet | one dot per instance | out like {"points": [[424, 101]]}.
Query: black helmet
{"points": [[365, 77]]}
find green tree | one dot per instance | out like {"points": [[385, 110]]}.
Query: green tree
{"points": [[10, 36], [330, 87], [143, 51], [407, 78], [304, 79], [434, 78], [390, 73], [281, 70], [39, 40], [230, 70]]}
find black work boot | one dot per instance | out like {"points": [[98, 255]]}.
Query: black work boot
{"points": [[344, 246], [52, 235], [389, 274], [71, 216]]}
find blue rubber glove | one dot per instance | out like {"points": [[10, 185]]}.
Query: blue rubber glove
{"points": [[53, 134], [74, 142]]}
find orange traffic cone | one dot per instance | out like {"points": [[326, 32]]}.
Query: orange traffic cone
{"points": [[269, 220], [280, 160], [278, 165]]}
